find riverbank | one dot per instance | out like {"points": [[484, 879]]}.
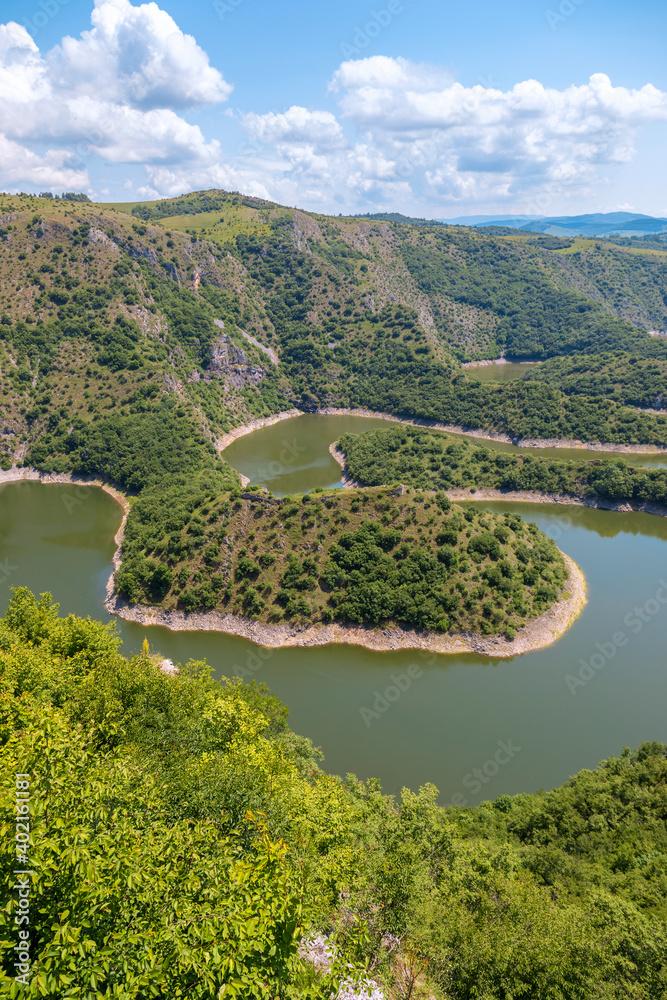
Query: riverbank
{"points": [[28, 474], [515, 496], [331, 411], [254, 425], [495, 361], [541, 632], [534, 496], [82, 483], [638, 449]]}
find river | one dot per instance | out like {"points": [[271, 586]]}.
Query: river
{"points": [[507, 371], [521, 724]]}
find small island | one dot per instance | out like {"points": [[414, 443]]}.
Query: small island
{"points": [[382, 567]]}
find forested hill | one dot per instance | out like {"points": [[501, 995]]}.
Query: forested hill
{"points": [[124, 329], [185, 843]]}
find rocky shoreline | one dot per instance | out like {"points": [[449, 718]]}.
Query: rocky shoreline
{"points": [[535, 635], [638, 449], [254, 425], [495, 361], [541, 632], [534, 496], [18, 474], [515, 496], [332, 411]]}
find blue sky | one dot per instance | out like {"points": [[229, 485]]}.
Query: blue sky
{"points": [[431, 108]]}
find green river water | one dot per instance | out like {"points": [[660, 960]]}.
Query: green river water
{"points": [[552, 712], [507, 372]]}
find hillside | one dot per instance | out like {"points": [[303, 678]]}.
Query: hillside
{"points": [[377, 556], [127, 317], [429, 460], [625, 378], [200, 849]]}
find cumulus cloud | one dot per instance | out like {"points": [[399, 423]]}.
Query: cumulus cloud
{"points": [[297, 125], [413, 125], [170, 181], [115, 93], [404, 135], [138, 56], [21, 167]]}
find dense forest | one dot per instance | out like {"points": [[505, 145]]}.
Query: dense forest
{"points": [[369, 557], [434, 460], [534, 317], [628, 379], [185, 843]]}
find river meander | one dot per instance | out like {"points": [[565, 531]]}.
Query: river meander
{"points": [[452, 717]]}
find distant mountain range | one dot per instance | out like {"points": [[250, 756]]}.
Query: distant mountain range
{"points": [[600, 224]]}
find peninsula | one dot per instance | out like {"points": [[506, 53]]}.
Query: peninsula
{"points": [[385, 568]]}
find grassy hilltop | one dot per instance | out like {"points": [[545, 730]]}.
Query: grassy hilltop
{"points": [[377, 556]]}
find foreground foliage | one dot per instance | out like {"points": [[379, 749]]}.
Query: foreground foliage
{"points": [[184, 841]]}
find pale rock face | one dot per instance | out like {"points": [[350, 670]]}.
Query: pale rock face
{"points": [[168, 667], [231, 363]]}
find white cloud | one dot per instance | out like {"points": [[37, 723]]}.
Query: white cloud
{"points": [[138, 56], [412, 125], [378, 73], [121, 134], [169, 181], [296, 125], [20, 167], [113, 93], [406, 136], [22, 75]]}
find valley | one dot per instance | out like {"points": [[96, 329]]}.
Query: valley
{"points": [[209, 361]]}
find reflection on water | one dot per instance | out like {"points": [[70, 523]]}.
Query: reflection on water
{"points": [[293, 455], [407, 717]]}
